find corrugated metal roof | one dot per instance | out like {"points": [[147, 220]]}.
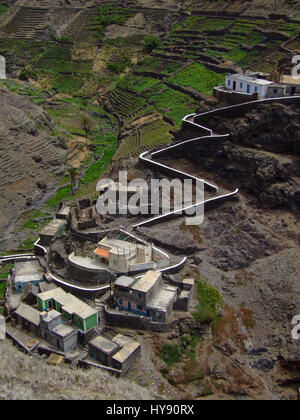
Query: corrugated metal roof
{"points": [[28, 313]]}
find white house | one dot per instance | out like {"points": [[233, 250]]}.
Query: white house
{"points": [[248, 83]]}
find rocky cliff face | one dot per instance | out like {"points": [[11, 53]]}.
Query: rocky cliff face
{"points": [[261, 156]]}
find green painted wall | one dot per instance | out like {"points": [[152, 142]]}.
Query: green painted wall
{"points": [[79, 323], [40, 303], [91, 322]]}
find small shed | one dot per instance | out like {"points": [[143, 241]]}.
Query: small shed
{"points": [[102, 350], [27, 272], [124, 359], [28, 318], [188, 284], [56, 332], [54, 228]]}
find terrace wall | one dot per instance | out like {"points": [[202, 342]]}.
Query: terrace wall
{"points": [[239, 110], [117, 318]]}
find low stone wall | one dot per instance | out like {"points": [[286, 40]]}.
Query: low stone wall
{"points": [[117, 318], [233, 98], [86, 275], [174, 172], [240, 109]]}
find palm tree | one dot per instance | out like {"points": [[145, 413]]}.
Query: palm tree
{"points": [[72, 172]]}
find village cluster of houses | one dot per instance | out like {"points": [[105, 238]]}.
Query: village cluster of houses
{"points": [[65, 321]]}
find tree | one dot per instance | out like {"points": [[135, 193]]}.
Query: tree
{"points": [[87, 124], [150, 43], [72, 172]]}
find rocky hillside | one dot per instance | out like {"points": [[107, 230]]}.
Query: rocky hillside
{"points": [[94, 59], [39, 381], [31, 158], [262, 156]]}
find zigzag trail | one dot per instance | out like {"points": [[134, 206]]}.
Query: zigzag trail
{"points": [[147, 157]]}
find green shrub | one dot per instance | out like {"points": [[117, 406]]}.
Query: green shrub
{"points": [[210, 303], [2, 290], [171, 354], [3, 8], [67, 84], [151, 42], [28, 73], [4, 272]]}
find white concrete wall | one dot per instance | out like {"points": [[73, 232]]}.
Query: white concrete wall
{"points": [[241, 86]]}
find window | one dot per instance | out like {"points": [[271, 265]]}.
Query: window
{"points": [[138, 307], [121, 301], [241, 85], [275, 91], [255, 89], [228, 82]]}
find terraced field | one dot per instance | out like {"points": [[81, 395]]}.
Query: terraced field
{"points": [[26, 22], [127, 106], [95, 64], [144, 138]]}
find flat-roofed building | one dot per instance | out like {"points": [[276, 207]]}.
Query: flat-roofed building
{"points": [[56, 332], [134, 294], [292, 84], [124, 256], [248, 83], [146, 296], [64, 213], [188, 284], [27, 272], [120, 352], [161, 306], [102, 349], [54, 228], [254, 85], [124, 359]]}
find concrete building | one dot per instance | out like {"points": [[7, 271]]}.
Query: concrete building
{"points": [[119, 353], [102, 350], [125, 358], [28, 318], [123, 256], [161, 306], [248, 83], [188, 284], [56, 332], [27, 272], [64, 213], [247, 86], [72, 309], [145, 296], [54, 228], [292, 84]]}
